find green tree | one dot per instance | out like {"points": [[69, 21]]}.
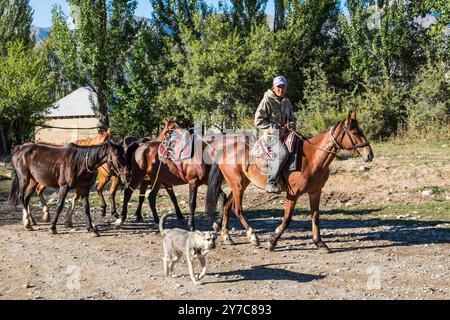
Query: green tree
{"points": [[16, 17], [223, 74], [24, 90], [380, 104], [244, 13], [429, 104], [311, 36], [94, 53], [321, 105], [135, 110], [172, 15]]}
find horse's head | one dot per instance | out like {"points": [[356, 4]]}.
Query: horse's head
{"points": [[169, 126], [117, 161], [350, 136]]}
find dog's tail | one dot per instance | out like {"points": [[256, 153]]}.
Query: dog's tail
{"points": [[161, 224]]}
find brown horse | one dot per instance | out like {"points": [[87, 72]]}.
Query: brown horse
{"points": [[100, 138], [65, 168], [105, 175], [318, 153], [146, 164]]}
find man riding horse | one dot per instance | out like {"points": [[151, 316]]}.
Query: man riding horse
{"points": [[275, 117]]}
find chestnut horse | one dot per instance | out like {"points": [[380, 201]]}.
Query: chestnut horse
{"points": [[318, 153], [146, 164], [67, 167]]}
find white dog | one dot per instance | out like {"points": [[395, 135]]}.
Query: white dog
{"points": [[193, 244]]}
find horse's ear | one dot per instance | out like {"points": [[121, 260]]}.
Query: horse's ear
{"points": [[109, 131], [166, 122], [350, 116]]}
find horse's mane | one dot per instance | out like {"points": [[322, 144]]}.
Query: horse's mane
{"points": [[75, 155], [319, 135]]}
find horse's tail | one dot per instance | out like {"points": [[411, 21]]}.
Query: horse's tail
{"points": [[161, 224], [13, 197], [215, 179]]}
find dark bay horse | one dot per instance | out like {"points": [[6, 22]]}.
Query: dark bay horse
{"points": [[148, 168], [65, 168], [100, 138], [105, 174], [318, 153]]}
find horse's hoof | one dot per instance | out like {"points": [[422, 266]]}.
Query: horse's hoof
{"points": [[53, 231], [46, 219], [216, 227], [270, 246], [68, 224], [322, 247], [180, 217], [255, 242], [95, 233], [118, 223], [29, 228], [228, 241], [138, 219], [34, 223], [115, 215]]}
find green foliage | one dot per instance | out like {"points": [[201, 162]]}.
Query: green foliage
{"points": [[135, 111], [380, 106], [242, 14], [219, 77], [16, 17], [311, 36], [429, 105], [24, 90], [322, 104], [94, 53]]}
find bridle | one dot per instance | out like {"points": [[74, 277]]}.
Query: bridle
{"points": [[333, 141]]}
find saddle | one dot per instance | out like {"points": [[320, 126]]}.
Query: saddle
{"points": [[177, 146], [263, 151]]}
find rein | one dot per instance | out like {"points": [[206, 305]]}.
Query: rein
{"points": [[332, 141]]}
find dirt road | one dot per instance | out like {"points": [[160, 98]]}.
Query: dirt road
{"points": [[388, 224]]}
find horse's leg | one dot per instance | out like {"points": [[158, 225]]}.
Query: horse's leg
{"points": [[288, 211], [63, 190], [135, 181], [174, 200], [28, 219], [238, 195], [224, 233], [138, 213], [224, 200], [102, 181], [193, 188], [45, 211], [314, 201], [112, 195], [68, 223], [87, 215], [152, 201]]}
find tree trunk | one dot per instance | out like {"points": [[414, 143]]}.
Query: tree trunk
{"points": [[4, 142], [102, 108], [278, 21]]}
